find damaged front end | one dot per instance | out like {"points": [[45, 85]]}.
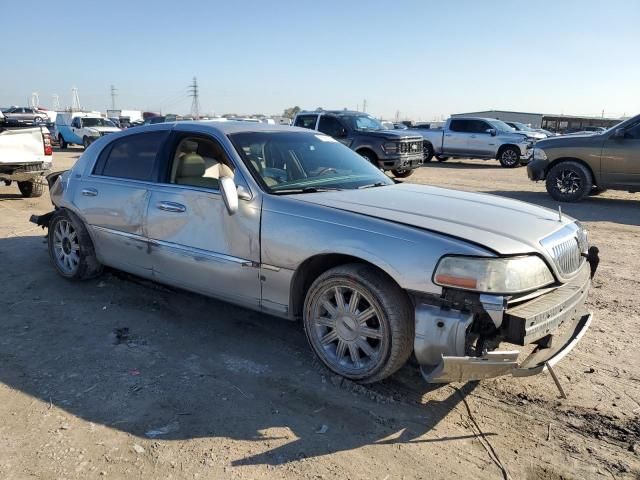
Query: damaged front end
{"points": [[458, 334]]}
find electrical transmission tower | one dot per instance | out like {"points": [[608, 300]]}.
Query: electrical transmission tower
{"points": [[113, 97], [195, 104], [35, 100], [75, 99], [55, 102], [364, 105]]}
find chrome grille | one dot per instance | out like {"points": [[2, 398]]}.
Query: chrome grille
{"points": [[566, 247], [410, 147]]}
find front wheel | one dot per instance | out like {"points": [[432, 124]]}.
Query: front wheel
{"points": [[70, 247], [31, 188], [509, 157], [359, 322], [569, 181], [427, 150], [402, 173]]}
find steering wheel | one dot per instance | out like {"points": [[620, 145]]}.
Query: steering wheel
{"points": [[326, 170]]}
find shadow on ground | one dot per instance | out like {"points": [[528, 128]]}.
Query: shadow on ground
{"points": [[190, 367]]}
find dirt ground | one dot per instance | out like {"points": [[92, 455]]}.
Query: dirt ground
{"points": [[200, 389]]}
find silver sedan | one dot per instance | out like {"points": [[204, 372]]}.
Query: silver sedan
{"points": [[294, 224]]}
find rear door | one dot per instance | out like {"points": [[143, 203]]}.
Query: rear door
{"points": [[620, 163], [456, 137], [194, 242], [114, 199], [480, 143]]}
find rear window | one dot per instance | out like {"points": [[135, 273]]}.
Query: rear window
{"points": [[132, 157], [306, 121]]}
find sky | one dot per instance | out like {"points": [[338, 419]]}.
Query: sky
{"points": [[423, 59]]}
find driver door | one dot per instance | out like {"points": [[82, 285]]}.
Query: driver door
{"points": [[334, 128], [621, 159]]}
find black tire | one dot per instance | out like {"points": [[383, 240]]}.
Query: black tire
{"points": [[369, 155], [87, 265], [595, 191], [392, 321], [569, 181], [427, 150], [62, 143], [86, 142], [402, 173], [31, 188], [441, 158], [509, 157]]}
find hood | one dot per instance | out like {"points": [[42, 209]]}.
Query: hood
{"points": [[104, 129], [500, 224], [392, 134], [563, 141]]}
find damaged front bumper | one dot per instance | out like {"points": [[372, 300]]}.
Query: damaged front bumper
{"points": [[555, 322]]}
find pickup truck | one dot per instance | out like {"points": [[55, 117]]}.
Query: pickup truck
{"points": [[25, 157], [574, 166], [81, 128], [400, 151], [473, 137]]}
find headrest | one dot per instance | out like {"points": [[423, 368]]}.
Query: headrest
{"points": [[191, 165], [189, 146]]}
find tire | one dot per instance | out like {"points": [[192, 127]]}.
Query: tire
{"points": [[62, 143], [86, 142], [402, 173], [427, 150], [369, 155], [70, 247], [509, 157], [31, 188], [440, 158], [368, 349], [569, 181]]}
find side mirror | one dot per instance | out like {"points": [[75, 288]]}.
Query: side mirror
{"points": [[229, 194], [618, 133], [492, 132]]}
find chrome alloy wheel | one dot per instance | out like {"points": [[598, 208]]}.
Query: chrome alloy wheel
{"points": [[568, 182], [347, 329], [509, 157], [66, 247]]}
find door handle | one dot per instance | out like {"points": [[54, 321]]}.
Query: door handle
{"points": [[473, 136], [172, 207], [447, 135], [89, 192]]}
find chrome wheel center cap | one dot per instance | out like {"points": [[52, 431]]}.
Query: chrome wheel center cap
{"points": [[347, 328]]}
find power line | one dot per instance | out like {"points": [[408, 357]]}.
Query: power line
{"points": [[195, 105]]}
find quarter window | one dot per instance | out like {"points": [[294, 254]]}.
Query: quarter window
{"points": [[306, 121], [132, 157]]}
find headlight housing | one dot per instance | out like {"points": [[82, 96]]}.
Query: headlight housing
{"points": [[493, 275], [390, 147], [538, 154]]}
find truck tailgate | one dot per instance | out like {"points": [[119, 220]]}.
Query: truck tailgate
{"points": [[19, 146]]}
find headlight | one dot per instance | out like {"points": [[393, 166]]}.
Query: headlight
{"points": [[391, 147], [94, 133], [538, 154], [493, 275]]}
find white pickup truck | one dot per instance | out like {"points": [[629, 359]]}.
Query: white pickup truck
{"points": [[25, 158], [473, 137]]}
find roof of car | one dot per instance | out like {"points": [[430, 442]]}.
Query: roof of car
{"points": [[225, 128], [333, 112]]}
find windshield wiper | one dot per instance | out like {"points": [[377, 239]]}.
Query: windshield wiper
{"points": [[372, 185], [286, 191]]}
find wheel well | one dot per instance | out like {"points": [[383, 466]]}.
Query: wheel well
{"points": [[311, 269], [504, 147], [366, 149], [570, 159]]}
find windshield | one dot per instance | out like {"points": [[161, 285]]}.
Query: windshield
{"points": [[288, 162], [363, 122], [522, 127], [500, 125], [97, 122]]}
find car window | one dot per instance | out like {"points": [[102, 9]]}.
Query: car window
{"points": [[478, 126], [199, 162], [306, 121], [132, 157], [331, 126], [633, 132], [459, 125], [28, 110]]}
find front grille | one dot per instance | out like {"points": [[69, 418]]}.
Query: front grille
{"points": [[566, 247], [411, 147]]}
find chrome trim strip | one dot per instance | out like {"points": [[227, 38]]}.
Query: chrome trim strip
{"points": [[203, 253], [120, 233]]}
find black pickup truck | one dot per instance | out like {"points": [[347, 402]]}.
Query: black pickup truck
{"points": [[397, 150]]}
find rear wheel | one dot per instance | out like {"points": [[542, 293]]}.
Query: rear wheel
{"points": [[359, 322], [31, 188], [569, 181], [509, 157], [70, 247], [62, 143]]}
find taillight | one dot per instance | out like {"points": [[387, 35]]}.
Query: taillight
{"points": [[46, 138]]}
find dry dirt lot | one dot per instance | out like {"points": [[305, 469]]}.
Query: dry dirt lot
{"points": [[202, 389]]}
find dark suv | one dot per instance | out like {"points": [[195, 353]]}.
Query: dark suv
{"points": [[394, 150]]}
